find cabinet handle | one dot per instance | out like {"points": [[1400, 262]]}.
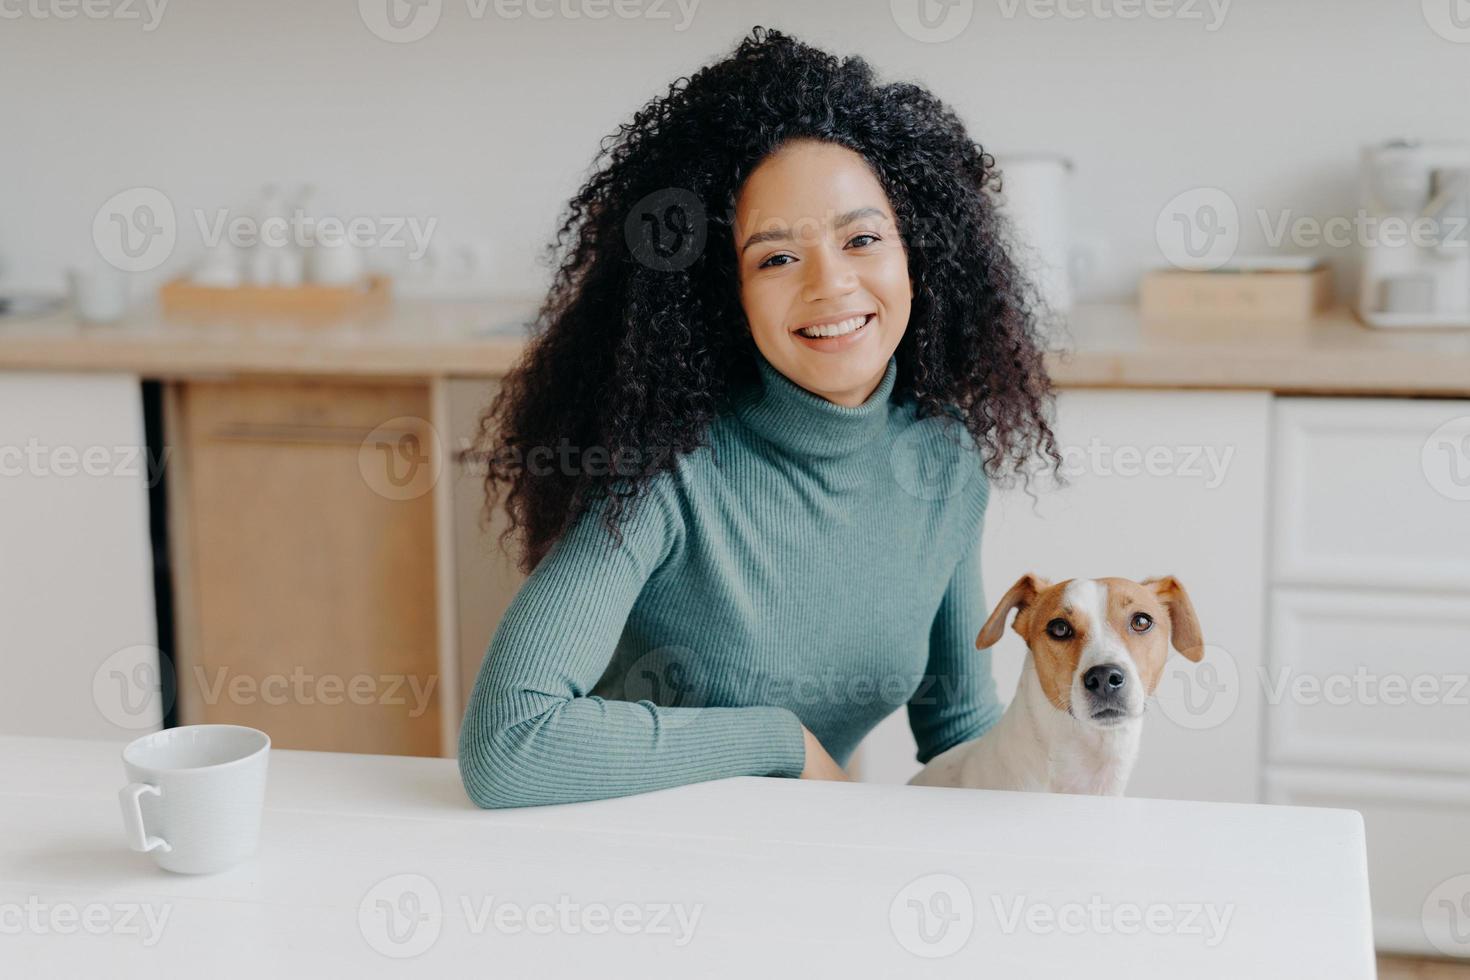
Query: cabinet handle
{"points": [[335, 435]]}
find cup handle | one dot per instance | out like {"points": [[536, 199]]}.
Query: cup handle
{"points": [[132, 814]]}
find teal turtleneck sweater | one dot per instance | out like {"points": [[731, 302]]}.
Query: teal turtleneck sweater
{"points": [[812, 564]]}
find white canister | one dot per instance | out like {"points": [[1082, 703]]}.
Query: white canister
{"points": [[98, 292], [336, 263], [1034, 199]]}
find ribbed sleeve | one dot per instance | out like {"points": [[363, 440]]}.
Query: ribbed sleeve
{"points": [[956, 701], [532, 734]]}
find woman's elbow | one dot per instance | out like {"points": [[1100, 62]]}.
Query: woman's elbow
{"points": [[493, 782]]}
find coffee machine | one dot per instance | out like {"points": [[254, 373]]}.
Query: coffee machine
{"points": [[1415, 234]]}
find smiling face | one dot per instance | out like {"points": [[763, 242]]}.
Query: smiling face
{"points": [[1099, 645], [823, 273]]}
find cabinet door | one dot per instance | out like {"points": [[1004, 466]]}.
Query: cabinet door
{"points": [[1369, 679], [1159, 483], [1373, 492], [78, 633], [311, 563]]}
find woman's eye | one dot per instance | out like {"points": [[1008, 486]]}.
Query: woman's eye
{"points": [[1059, 629], [858, 241], [1141, 622]]}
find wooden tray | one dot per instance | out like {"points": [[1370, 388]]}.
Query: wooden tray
{"points": [[182, 296]]}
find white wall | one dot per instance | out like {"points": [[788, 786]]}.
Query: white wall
{"points": [[488, 124]]}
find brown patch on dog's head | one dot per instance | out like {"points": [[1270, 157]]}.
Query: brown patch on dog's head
{"points": [[1148, 616], [1037, 602]]}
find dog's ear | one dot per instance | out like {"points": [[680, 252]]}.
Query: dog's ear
{"points": [[1184, 631], [1019, 596]]}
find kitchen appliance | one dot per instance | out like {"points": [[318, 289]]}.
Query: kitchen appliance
{"points": [[1415, 235]]}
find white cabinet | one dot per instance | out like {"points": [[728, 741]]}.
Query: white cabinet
{"points": [[1369, 680], [1160, 483], [78, 642], [1372, 492]]}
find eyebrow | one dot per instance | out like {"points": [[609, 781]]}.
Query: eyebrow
{"points": [[781, 234]]}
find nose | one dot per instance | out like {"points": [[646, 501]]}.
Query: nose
{"points": [[828, 275], [1105, 680]]}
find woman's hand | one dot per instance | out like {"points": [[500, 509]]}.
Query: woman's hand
{"points": [[819, 764]]}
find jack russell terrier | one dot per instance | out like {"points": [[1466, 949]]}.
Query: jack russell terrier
{"points": [[1096, 652]]}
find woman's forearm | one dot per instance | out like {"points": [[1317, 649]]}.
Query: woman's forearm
{"points": [[533, 735], [536, 749]]}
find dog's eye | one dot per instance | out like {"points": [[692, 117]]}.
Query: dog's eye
{"points": [[1059, 629], [1141, 623]]}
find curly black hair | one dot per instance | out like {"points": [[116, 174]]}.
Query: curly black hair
{"points": [[636, 348]]}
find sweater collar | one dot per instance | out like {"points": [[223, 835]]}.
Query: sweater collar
{"points": [[792, 418]]}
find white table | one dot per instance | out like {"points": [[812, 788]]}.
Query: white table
{"points": [[773, 877]]}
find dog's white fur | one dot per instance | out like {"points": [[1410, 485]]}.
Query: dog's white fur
{"points": [[1040, 747]]}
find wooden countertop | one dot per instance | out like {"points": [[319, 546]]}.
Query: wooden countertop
{"points": [[1104, 346], [1113, 347], [408, 339]]}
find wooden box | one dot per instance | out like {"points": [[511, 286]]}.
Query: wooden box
{"points": [[1243, 296]]}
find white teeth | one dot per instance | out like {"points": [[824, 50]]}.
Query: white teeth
{"points": [[840, 329]]}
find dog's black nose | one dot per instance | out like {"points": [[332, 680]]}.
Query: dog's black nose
{"points": [[1104, 679]]}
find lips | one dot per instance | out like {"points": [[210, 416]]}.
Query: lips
{"points": [[837, 334], [839, 326]]}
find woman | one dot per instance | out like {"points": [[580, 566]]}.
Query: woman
{"points": [[746, 457]]}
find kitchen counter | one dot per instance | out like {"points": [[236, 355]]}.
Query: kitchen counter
{"points": [[1101, 346], [408, 339], [379, 866]]}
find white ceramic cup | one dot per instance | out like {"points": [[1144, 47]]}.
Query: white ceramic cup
{"points": [[195, 795]]}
